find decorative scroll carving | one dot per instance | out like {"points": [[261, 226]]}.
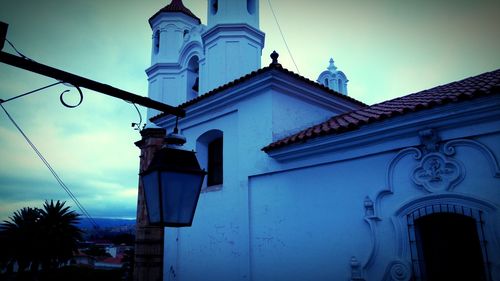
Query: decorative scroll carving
{"points": [[435, 172], [417, 155], [371, 220], [449, 149], [368, 203], [398, 271], [430, 140]]}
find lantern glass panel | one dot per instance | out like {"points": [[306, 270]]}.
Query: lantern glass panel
{"points": [[152, 196], [180, 196]]}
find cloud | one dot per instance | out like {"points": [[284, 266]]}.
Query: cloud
{"points": [[386, 48]]}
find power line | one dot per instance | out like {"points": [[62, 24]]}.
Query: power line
{"points": [[56, 176], [15, 49], [282, 35], [30, 92]]}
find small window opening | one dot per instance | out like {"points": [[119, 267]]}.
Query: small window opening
{"points": [[196, 84], [156, 42], [214, 167], [214, 6], [326, 82], [193, 75], [251, 6], [186, 33]]}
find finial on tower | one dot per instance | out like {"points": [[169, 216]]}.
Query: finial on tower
{"points": [[334, 78], [332, 66], [274, 57]]}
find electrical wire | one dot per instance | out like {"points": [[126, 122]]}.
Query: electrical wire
{"points": [[282, 35], [30, 92], [19, 53], [136, 126], [56, 176]]}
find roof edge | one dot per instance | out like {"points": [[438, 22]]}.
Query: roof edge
{"points": [[487, 83], [276, 67]]}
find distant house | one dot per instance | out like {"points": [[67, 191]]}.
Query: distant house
{"points": [[116, 250], [82, 259], [307, 183], [110, 262]]}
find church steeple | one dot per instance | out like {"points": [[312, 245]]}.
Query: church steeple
{"points": [[189, 58], [169, 25], [233, 42], [175, 53], [334, 78], [173, 7], [233, 11]]}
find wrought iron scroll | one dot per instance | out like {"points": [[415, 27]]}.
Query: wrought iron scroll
{"points": [[80, 93]]}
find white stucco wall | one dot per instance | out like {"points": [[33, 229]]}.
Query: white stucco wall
{"points": [[304, 218]]}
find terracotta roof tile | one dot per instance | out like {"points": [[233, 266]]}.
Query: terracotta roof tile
{"points": [[176, 6], [473, 87]]}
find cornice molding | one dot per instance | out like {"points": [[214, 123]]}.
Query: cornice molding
{"points": [[478, 111]]}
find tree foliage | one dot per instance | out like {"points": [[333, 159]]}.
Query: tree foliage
{"points": [[35, 238]]}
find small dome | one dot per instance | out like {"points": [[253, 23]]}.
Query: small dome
{"points": [[176, 6]]}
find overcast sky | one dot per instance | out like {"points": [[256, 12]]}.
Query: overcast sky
{"points": [[387, 48]]}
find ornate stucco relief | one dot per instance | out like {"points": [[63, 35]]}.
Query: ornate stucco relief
{"points": [[437, 172]]}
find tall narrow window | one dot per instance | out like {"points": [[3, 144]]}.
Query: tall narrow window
{"points": [[214, 6], [156, 42], [251, 6], [209, 150], [215, 171], [193, 70]]}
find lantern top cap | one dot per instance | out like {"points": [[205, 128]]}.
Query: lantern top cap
{"points": [[175, 160]]}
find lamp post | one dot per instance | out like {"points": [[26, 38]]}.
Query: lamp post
{"points": [[169, 188], [170, 183]]}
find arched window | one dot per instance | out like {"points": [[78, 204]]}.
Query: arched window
{"points": [[447, 243], [340, 86], [326, 82], [214, 165], [156, 42], [193, 70], [251, 6], [214, 6], [210, 153]]}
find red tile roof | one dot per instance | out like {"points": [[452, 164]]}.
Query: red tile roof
{"points": [[176, 6], [116, 260], [473, 87], [272, 67]]}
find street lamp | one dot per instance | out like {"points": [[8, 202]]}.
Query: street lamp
{"points": [[172, 184]]}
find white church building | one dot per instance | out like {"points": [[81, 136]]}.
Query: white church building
{"points": [[307, 183]]}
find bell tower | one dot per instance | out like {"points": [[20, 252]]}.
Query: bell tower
{"points": [[171, 31], [333, 78], [232, 42]]}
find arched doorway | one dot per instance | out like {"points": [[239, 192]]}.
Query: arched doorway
{"points": [[448, 244]]}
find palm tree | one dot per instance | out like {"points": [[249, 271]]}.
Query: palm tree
{"points": [[20, 239], [59, 231], [34, 237]]}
